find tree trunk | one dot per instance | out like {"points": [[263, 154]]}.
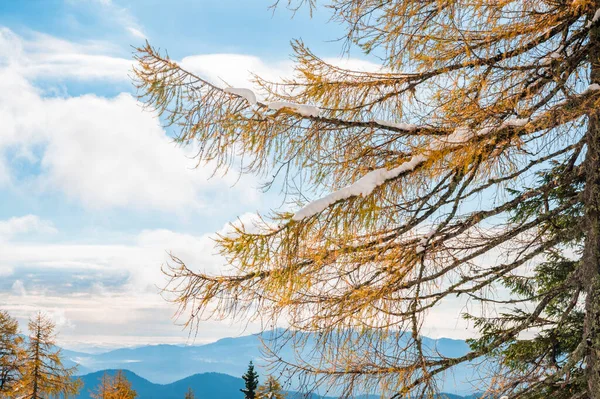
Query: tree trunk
{"points": [[36, 370], [591, 253]]}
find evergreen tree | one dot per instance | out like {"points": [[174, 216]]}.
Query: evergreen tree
{"points": [[190, 394], [44, 374], [431, 165], [250, 382], [11, 352], [271, 389], [563, 320]]}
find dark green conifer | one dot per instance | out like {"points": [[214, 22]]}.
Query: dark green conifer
{"points": [[251, 382], [555, 282]]}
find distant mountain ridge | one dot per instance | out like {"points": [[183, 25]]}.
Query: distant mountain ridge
{"points": [[164, 364], [205, 386]]}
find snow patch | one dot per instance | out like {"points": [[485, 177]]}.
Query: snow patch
{"points": [[515, 122], [247, 94], [363, 187], [548, 59], [592, 87], [302, 109], [423, 242], [398, 125], [594, 19], [458, 136], [463, 134]]}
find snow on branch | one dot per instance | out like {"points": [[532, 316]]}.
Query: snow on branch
{"points": [[518, 122], [460, 135], [302, 109], [366, 184], [363, 187], [463, 134], [398, 125], [594, 19], [592, 87], [247, 94], [424, 241]]}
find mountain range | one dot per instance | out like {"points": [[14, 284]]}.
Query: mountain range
{"points": [[205, 386], [167, 364]]}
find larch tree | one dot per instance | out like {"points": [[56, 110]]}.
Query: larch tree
{"points": [[114, 387], [104, 388], [250, 382], [467, 166], [44, 374], [122, 387], [190, 394], [11, 353], [271, 389]]}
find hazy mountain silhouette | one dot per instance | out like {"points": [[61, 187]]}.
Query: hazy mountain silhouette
{"points": [[165, 364], [205, 386]]}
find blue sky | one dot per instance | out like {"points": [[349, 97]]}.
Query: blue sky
{"points": [[93, 191]]}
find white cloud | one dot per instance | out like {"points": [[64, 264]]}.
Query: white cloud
{"points": [[25, 224], [6, 271], [105, 311], [45, 56], [235, 69], [238, 70], [103, 152], [136, 32], [355, 64], [198, 251], [114, 14], [59, 317], [123, 17], [18, 288], [110, 153], [139, 257]]}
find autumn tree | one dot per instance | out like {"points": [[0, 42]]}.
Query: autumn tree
{"points": [[44, 374], [104, 388], [114, 387], [122, 387], [11, 352], [271, 389], [468, 165], [250, 382], [190, 394]]}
